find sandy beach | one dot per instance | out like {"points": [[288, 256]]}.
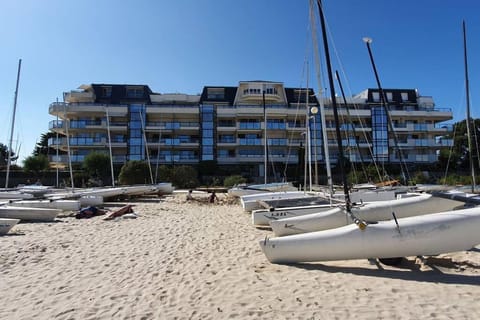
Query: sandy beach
{"points": [[195, 260]]}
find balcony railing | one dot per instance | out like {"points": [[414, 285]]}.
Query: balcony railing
{"points": [[55, 124]]}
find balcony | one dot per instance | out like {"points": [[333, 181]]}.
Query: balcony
{"points": [[63, 159], [62, 109], [250, 142], [257, 95], [55, 125], [79, 96]]}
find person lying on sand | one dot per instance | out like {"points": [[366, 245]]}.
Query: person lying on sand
{"points": [[120, 212], [89, 212]]}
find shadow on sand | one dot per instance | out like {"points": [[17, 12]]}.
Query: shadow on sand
{"points": [[408, 270]]}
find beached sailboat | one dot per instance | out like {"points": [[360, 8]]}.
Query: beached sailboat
{"points": [[7, 224], [372, 212], [65, 205], [29, 214], [251, 202], [13, 194], [419, 235], [409, 204], [238, 191], [105, 193]]}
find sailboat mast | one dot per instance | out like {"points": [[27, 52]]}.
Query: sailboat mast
{"points": [[9, 161], [265, 140], [308, 134], [110, 145], [469, 137], [341, 160], [321, 104], [349, 119]]}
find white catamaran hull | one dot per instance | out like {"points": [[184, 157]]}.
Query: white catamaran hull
{"points": [[262, 217], [422, 235], [260, 188], [29, 214], [6, 225], [66, 205], [374, 211], [252, 201]]}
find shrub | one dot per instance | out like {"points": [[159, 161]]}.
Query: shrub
{"points": [[134, 172], [233, 180], [184, 177], [97, 166], [36, 164]]}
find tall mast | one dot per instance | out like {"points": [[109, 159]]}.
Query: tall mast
{"points": [[67, 124], [321, 102], [384, 101], [334, 106], [341, 160], [9, 161], [265, 140], [308, 134], [307, 172], [110, 146], [469, 137]]}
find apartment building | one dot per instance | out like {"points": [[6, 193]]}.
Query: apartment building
{"points": [[236, 126]]}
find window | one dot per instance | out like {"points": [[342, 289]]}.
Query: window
{"points": [[404, 96], [106, 92], [376, 96], [389, 97], [134, 92], [136, 148], [215, 93], [208, 132], [380, 134], [271, 91]]}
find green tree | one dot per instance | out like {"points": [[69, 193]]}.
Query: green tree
{"points": [[36, 164], [184, 177], [134, 172], [4, 155], [233, 180], [97, 166], [41, 147], [459, 157], [164, 173]]}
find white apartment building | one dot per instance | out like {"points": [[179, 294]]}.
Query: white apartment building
{"points": [[245, 127]]}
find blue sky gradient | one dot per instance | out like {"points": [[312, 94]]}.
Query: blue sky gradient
{"points": [[183, 45]]}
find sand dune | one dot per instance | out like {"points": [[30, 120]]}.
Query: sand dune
{"points": [[194, 260]]}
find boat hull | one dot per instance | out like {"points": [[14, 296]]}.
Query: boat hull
{"points": [[373, 211], [7, 224], [260, 188], [66, 205], [430, 234], [29, 214], [252, 202], [262, 217]]}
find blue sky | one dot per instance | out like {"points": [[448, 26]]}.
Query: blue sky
{"points": [[183, 45]]}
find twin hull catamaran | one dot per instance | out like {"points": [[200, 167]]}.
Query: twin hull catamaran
{"points": [[321, 202], [371, 212], [426, 234], [422, 235]]}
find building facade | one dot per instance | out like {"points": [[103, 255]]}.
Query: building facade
{"points": [[255, 127]]}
